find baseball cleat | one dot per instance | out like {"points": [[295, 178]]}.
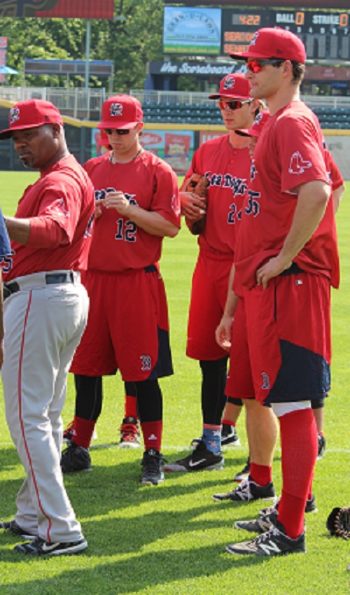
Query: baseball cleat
{"points": [[75, 458], [229, 436], [246, 491], [40, 547], [129, 433], [200, 459], [263, 523], [152, 472], [243, 474], [271, 543], [13, 528]]}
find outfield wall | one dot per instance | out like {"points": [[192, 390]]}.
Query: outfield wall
{"points": [[173, 142]]}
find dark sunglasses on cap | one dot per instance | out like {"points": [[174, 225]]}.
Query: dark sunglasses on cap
{"points": [[232, 105], [256, 66], [118, 131]]}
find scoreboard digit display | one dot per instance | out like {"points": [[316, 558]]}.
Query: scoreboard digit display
{"points": [[326, 34]]}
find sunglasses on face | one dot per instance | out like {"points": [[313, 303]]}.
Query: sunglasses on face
{"points": [[256, 66], [232, 105], [118, 131]]}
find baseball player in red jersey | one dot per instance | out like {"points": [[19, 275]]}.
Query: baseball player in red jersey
{"points": [[225, 162], [137, 205], [286, 259], [45, 314]]}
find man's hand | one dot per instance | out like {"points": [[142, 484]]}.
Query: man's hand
{"points": [[116, 200], [193, 207], [223, 332], [272, 268]]}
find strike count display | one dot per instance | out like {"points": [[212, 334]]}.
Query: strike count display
{"points": [[326, 34]]}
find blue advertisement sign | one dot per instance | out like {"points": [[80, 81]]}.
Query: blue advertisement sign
{"points": [[194, 31]]}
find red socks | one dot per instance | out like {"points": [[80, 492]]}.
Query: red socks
{"points": [[299, 452], [130, 406], [82, 431], [261, 474], [152, 434]]}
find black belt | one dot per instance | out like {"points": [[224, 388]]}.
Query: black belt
{"points": [[50, 279]]}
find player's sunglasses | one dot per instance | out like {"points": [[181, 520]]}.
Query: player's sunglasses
{"points": [[232, 105], [118, 131], [256, 66]]}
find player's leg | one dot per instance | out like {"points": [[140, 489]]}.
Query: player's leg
{"points": [[318, 411], [93, 359], [129, 430], [150, 407], [260, 421], [28, 404], [142, 348], [209, 289], [230, 415], [303, 370]]}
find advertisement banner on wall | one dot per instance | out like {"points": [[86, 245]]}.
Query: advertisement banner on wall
{"points": [[194, 31], [174, 146]]}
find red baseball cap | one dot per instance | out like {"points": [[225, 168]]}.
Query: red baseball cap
{"points": [[257, 126], [31, 114], [121, 111], [235, 86], [274, 43]]}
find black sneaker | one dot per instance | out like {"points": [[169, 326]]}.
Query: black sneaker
{"points": [[75, 458], [321, 446], [310, 506], [247, 490], [40, 547], [229, 436], [199, 460], [152, 472], [272, 543], [263, 523], [243, 474], [13, 528]]}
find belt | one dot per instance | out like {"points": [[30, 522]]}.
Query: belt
{"points": [[49, 279]]}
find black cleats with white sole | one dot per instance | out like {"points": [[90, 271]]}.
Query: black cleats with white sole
{"points": [[200, 459], [40, 547], [246, 491], [273, 542], [13, 528], [152, 471]]}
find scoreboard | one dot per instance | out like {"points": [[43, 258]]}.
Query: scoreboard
{"points": [[326, 34]]}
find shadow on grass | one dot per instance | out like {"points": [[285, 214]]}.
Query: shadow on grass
{"points": [[137, 573]]}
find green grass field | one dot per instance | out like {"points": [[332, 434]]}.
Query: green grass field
{"points": [[171, 539]]}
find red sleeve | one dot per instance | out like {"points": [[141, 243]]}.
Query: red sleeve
{"points": [[46, 233], [333, 170], [301, 152], [166, 199], [60, 203]]}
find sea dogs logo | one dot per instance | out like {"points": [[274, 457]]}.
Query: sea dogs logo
{"points": [[116, 109], [14, 115], [229, 82], [254, 39], [265, 381], [298, 165]]}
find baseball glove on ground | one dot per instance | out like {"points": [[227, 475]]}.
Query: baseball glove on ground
{"points": [[198, 185], [338, 522]]}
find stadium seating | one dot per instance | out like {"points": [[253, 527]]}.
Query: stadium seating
{"points": [[208, 113]]}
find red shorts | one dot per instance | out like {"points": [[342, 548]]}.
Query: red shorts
{"points": [[127, 327], [281, 346], [208, 297]]}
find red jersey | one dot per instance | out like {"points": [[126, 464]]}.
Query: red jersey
{"points": [[227, 170], [147, 181], [333, 171], [288, 154], [63, 194]]}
